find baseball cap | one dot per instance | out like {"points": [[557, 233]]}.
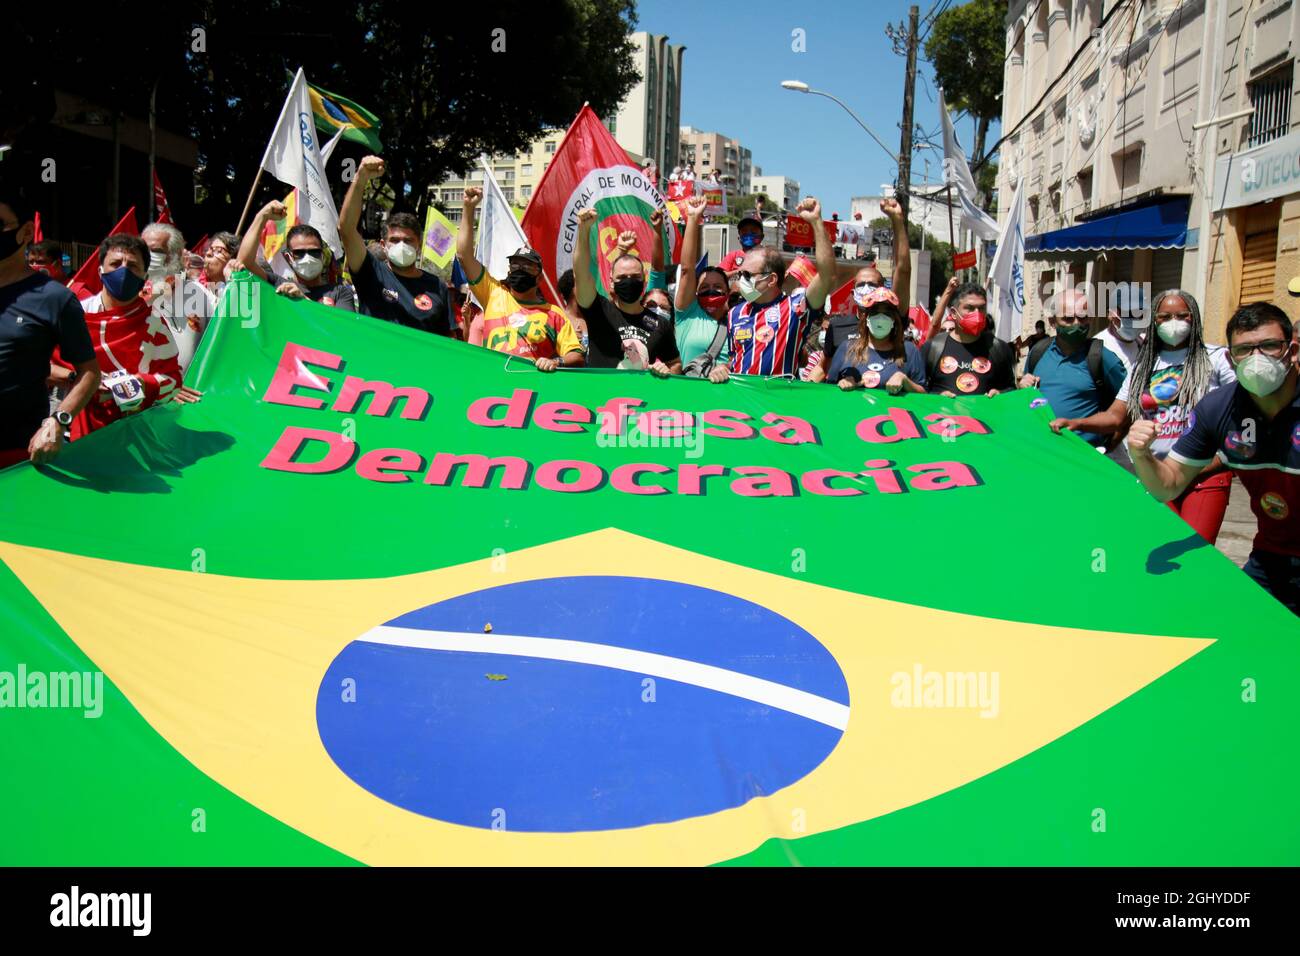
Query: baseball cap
{"points": [[749, 221], [523, 252]]}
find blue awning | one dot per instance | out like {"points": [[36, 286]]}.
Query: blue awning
{"points": [[1161, 225]]}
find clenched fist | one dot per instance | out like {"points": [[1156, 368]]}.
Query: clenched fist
{"points": [[586, 217], [891, 208], [1141, 436], [810, 210], [370, 167], [473, 196]]}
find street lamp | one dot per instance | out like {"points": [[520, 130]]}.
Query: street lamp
{"points": [[800, 87]]}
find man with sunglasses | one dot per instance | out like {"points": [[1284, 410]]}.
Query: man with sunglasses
{"points": [[300, 269], [1077, 375], [1254, 429], [517, 319], [766, 331]]}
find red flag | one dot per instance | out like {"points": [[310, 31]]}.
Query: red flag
{"points": [[162, 211], [201, 246], [964, 260], [38, 235], [680, 189], [590, 169], [86, 281], [799, 233], [841, 299], [921, 322]]}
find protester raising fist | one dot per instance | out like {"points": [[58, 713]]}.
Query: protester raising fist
{"points": [[473, 196], [810, 210]]}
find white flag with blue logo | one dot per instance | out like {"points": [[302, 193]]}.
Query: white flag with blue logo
{"points": [[499, 232], [293, 156], [956, 173], [1007, 271]]}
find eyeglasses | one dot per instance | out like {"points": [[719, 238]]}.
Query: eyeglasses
{"points": [[297, 254], [1071, 319], [1166, 316], [1273, 348]]}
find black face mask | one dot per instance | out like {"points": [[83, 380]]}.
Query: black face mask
{"points": [[520, 279], [629, 288], [8, 242]]}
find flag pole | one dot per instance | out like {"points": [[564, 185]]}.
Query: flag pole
{"points": [[239, 230], [952, 236]]}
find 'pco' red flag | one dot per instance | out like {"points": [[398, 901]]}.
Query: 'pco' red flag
{"points": [[590, 169]]}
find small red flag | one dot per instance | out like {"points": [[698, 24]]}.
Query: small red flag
{"points": [[162, 211], [964, 260]]}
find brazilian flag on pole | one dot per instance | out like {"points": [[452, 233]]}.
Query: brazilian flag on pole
{"points": [[334, 112]]}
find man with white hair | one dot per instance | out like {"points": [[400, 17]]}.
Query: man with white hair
{"points": [[183, 304], [1078, 376]]}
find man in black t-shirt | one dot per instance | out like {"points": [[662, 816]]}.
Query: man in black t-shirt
{"points": [[621, 333], [395, 290], [969, 360], [36, 314]]}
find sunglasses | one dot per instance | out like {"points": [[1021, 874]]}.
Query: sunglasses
{"points": [[751, 276], [298, 254]]}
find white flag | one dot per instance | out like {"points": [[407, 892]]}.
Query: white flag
{"points": [[293, 156], [1007, 272], [956, 173], [328, 149], [499, 232]]}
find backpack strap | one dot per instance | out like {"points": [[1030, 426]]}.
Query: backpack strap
{"points": [[1095, 347], [934, 352], [719, 338], [1037, 352]]}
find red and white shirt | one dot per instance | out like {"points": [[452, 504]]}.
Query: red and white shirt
{"points": [[132, 339]]}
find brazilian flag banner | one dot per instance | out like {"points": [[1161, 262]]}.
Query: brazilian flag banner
{"points": [[385, 598]]}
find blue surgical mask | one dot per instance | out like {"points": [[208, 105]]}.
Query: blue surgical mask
{"points": [[748, 240], [122, 284]]}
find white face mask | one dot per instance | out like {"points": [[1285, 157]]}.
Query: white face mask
{"points": [[401, 254], [1126, 329], [880, 326], [1174, 332], [1260, 374], [308, 267], [160, 264], [747, 289]]}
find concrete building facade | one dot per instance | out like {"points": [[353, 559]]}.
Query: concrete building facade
{"points": [[710, 150], [780, 189], [1114, 179]]}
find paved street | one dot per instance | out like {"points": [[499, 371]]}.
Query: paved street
{"points": [[1238, 526]]}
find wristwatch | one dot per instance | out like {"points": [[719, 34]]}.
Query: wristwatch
{"points": [[63, 418]]}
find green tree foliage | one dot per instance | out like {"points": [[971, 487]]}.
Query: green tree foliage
{"points": [[446, 88], [966, 49]]}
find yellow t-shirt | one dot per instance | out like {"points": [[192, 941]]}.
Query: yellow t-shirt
{"points": [[529, 329]]}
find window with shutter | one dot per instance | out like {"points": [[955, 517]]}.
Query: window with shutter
{"points": [[1259, 252]]}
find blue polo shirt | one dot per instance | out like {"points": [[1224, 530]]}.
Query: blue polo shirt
{"points": [[1069, 389]]}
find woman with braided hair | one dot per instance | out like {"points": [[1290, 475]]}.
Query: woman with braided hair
{"points": [[1174, 370]]}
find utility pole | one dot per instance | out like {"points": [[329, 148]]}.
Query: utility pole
{"points": [[909, 90]]}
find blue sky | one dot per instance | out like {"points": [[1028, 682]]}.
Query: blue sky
{"points": [[737, 54]]}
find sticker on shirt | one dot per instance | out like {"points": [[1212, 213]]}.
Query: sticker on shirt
{"points": [[966, 382], [764, 335], [1237, 446], [876, 366], [391, 295], [424, 302], [743, 335], [1274, 505], [948, 365], [1163, 388], [871, 379], [980, 365], [635, 355]]}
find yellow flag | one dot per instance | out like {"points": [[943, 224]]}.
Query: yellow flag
{"points": [[439, 238]]}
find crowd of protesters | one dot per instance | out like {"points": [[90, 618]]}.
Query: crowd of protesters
{"points": [[1183, 416]]}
